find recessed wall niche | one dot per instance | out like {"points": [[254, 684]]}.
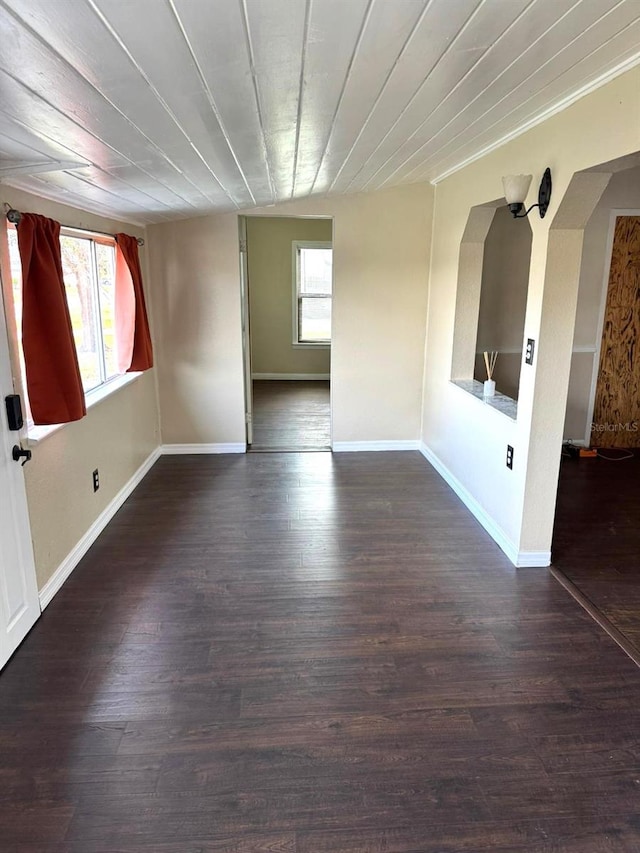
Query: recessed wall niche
{"points": [[491, 302]]}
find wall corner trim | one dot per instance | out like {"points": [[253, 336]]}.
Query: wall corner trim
{"points": [[57, 579], [364, 446], [186, 449], [520, 559]]}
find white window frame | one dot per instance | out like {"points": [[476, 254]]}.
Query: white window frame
{"points": [[295, 266], [94, 239], [35, 434]]}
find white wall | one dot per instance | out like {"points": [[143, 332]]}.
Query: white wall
{"points": [[468, 437], [381, 259], [622, 193], [117, 435]]}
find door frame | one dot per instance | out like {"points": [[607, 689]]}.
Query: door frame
{"points": [[246, 329], [20, 623], [243, 250]]}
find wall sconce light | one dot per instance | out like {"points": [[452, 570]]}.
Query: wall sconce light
{"points": [[516, 188]]}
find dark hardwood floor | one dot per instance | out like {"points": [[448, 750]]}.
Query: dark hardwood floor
{"points": [[291, 415], [597, 536], [314, 653]]}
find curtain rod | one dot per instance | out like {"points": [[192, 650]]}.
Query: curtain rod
{"points": [[14, 217]]}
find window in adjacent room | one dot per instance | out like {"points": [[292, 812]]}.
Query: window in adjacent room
{"points": [[88, 265], [313, 263]]}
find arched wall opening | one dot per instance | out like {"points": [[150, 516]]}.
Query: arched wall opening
{"points": [[565, 258], [491, 301]]}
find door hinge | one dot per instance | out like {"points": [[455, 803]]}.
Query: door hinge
{"points": [[248, 418]]}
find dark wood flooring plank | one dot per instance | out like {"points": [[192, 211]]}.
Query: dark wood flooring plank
{"points": [[617, 834], [302, 652], [597, 537], [292, 414]]}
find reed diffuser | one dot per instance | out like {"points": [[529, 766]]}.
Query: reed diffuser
{"points": [[489, 388]]}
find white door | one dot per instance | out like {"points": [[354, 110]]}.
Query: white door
{"points": [[246, 334], [19, 604]]}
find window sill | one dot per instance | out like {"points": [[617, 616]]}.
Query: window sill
{"points": [[500, 402], [310, 345], [36, 434]]}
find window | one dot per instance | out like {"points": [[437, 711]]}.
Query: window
{"points": [[313, 264], [88, 266]]}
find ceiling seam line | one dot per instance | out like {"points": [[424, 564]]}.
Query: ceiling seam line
{"points": [[303, 60], [61, 58], [256, 91], [548, 112], [96, 208], [502, 73], [158, 96], [210, 98], [522, 82], [385, 82], [345, 82], [420, 86], [586, 56], [20, 123], [96, 186], [464, 77], [123, 181]]}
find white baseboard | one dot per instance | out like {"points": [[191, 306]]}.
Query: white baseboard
{"points": [[290, 375], [357, 446], [180, 449], [520, 559], [533, 559], [77, 553]]}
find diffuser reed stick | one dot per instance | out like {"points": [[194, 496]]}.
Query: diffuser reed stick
{"points": [[490, 359]]}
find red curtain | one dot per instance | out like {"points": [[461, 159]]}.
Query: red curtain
{"points": [[54, 384], [132, 326]]}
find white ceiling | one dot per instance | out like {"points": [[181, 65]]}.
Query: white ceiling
{"points": [[159, 109]]}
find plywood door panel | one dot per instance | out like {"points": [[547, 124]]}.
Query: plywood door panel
{"points": [[616, 415]]}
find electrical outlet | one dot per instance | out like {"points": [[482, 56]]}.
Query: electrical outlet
{"points": [[528, 357], [96, 480], [509, 456]]}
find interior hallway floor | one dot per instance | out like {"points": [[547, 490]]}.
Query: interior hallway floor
{"points": [[597, 536], [314, 653], [291, 414]]}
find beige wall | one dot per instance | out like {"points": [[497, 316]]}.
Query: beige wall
{"points": [[468, 437], [116, 436], [270, 264], [622, 193], [195, 294], [381, 258]]}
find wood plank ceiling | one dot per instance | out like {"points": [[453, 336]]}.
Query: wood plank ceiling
{"points": [[160, 109]]}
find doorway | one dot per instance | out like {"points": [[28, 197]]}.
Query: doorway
{"points": [[596, 535], [287, 284]]}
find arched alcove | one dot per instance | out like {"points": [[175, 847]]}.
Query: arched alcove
{"points": [[491, 299], [503, 299]]}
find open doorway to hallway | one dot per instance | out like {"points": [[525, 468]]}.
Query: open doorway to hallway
{"points": [[597, 537], [287, 265]]}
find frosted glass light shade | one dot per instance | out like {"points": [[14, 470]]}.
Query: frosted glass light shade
{"points": [[516, 188]]}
